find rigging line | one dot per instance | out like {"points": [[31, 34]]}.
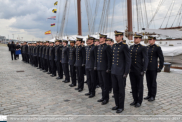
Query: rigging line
{"points": [[100, 24], [176, 15], [170, 13], [96, 11], [146, 13], [180, 20], [111, 28], [106, 18], [67, 16], [166, 15], [141, 14], [59, 3], [137, 15], [152, 14], [86, 5], [76, 14], [160, 3]]}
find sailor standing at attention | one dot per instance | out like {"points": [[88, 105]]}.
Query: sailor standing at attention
{"points": [[119, 70], [104, 57], [154, 52], [139, 62]]}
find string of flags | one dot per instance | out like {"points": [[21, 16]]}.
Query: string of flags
{"points": [[52, 18]]}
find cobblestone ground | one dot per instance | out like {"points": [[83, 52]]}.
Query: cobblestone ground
{"points": [[33, 92]]}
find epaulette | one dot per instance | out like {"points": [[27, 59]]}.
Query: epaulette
{"points": [[124, 43], [157, 45]]}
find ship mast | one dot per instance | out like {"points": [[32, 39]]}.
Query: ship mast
{"points": [[129, 15], [79, 17]]}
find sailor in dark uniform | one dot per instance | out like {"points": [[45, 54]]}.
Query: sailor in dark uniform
{"points": [[96, 43], [154, 53], [26, 52], [72, 59], [64, 61], [91, 62], [139, 62], [51, 59], [119, 70], [79, 63], [58, 51], [104, 55], [40, 55], [108, 42], [46, 57], [43, 54], [35, 55]]}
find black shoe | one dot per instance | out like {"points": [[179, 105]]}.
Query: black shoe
{"points": [[151, 99], [58, 78], [87, 94], [97, 86], [119, 110], [113, 96], [44, 71], [101, 100], [105, 102], [52, 75], [76, 88], [137, 105], [48, 73], [72, 85], [133, 103], [130, 91], [146, 98], [79, 90], [85, 82], [115, 108], [66, 81], [91, 95]]}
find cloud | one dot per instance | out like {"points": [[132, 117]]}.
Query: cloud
{"points": [[28, 17]]}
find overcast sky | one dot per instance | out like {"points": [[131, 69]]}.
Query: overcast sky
{"points": [[28, 18]]}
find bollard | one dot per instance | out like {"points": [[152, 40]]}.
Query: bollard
{"points": [[167, 66]]}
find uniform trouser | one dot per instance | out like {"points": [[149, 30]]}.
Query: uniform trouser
{"points": [[66, 71], [53, 67], [137, 86], [42, 65], [13, 54], [110, 81], [97, 79], [104, 83], [39, 63], [27, 55], [73, 74], [35, 61], [30, 58], [80, 75], [151, 76], [45, 64], [91, 80], [23, 57], [49, 65], [59, 68], [118, 84]]}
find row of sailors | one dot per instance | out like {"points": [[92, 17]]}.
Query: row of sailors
{"points": [[101, 63]]}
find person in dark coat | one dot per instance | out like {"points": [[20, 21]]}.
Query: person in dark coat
{"points": [[104, 58], [91, 62], [119, 70], [154, 53], [79, 63], [8, 46], [13, 49], [139, 62], [51, 59], [65, 60], [72, 59]]}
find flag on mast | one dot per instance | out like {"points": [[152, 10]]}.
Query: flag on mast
{"points": [[54, 10], [53, 18], [52, 25], [48, 32], [56, 3]]}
